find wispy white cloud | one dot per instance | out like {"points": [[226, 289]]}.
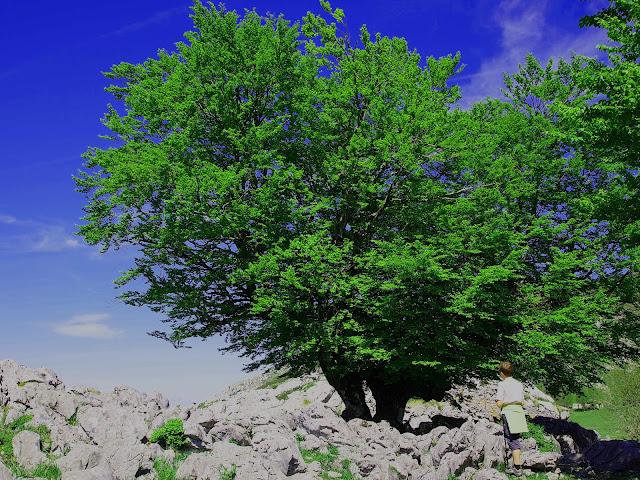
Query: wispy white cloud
{"points": [[156, 18], [525, 28], [26, 236], [91, 325]]}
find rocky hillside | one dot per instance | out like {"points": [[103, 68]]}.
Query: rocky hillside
{"points": [[264, 428]]}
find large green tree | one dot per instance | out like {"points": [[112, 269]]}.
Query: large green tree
{"points": [[318, 201]]}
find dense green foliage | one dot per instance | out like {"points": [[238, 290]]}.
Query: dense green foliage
{"points": [[171, 435], [613, 406], [623, 386], [319, 202]]}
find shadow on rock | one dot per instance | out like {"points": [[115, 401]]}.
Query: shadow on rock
{"points": [[436, 421], [590, 454]]}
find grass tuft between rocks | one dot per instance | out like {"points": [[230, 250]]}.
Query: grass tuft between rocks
{"points": [[47, 470], [166, 470], [333, 468], [171, 435], [302, 388], [275, 380], [228, 473], [543, 441]]}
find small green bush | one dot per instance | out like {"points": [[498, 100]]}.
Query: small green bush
{"points": [[171, 435], [228, 473], [167, 471], [164, 470], [543, 441], [73, 419]]}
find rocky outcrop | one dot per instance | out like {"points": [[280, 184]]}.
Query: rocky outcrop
{"points": [[261, 430], [5, 473]]}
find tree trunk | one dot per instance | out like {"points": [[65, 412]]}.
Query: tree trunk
{"points": [[350, 389], [391, 401]]}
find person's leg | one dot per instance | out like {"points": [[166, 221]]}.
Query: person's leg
{"points": [[517, 449], [505, 430], [517, 459]]}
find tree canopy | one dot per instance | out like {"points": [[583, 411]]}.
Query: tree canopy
{"points": [[319, 200]]}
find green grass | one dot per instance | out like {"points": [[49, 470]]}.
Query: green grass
{"points": [[329, 461], [206, 404], [302, 388], [604, 421], [167, 471], [73, 419], [171, 435], [164, 470], [9, 430], [228, 473], [274, 381], [543, 441]]}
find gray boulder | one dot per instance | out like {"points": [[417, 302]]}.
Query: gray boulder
{"points": [[26, 448], [81, 457], [5, 473], [127, 460], [99, 472], [490, 474], [540, 461], [207, 466], [280, 448]]}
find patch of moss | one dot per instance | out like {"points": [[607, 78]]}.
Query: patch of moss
{"points": [[332, 467], [25, 382], [302, 388], [274, 381], [206, 404]]}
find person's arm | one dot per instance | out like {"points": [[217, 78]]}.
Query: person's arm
{"points": [[500, 396]]}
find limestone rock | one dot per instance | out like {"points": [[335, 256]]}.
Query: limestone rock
{"points": [[540, 461], [207, 466], [5, 473], [490, 474], [26, 448], [99, 472], [80, 457]]}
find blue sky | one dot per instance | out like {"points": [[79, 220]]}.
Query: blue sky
{"points": [[57, 300]]}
